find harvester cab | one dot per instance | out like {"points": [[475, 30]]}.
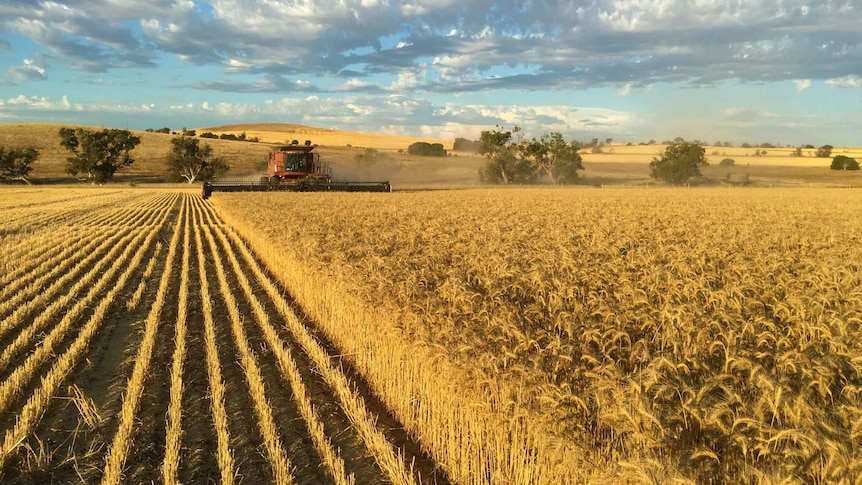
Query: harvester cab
{"points": [[297, 162]]}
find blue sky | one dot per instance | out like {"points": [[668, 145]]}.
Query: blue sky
{"points": [[778, 71]]}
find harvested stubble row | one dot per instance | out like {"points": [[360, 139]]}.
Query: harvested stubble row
{"points": [[146, 353], [563, 336]]}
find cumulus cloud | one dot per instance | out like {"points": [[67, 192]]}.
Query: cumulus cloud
{"points": [[845, 82], [30, 70], [625, 90], [802, 84], [41, 103]]}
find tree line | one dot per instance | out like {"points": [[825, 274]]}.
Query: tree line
{"points": [[95, 156]]}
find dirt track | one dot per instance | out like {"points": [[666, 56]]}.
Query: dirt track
{"points": [[142, 342]]}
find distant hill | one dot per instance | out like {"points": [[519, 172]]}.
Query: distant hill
{"points": [[285, 133]]}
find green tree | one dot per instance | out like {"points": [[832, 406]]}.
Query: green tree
{"points": [[191, 160], [503, 166], [680, 162], [553, 157], [824, 151], [16, 163], [97, 155], [843, 162]]}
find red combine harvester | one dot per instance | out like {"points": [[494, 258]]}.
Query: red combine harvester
{"points": [[294, 168]]}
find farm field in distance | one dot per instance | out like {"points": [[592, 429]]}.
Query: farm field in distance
{"points": [[619, 164], [533, 336]]}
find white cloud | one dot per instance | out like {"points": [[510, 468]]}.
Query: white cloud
{"points": [[354, 85], [802, 84], [30, 70], [747, 114], [42, 103], [845, 82], [625, 90]]}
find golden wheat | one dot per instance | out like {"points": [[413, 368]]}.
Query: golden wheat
{"points": [[656, 327]]}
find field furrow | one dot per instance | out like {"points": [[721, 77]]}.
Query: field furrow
{"points": [[65, 361], [36, 219], [227, 467], [74, 261], [117, 454], [278, 460], [24, 252]]}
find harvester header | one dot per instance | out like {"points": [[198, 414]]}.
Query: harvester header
{"points": [[294, 168]]}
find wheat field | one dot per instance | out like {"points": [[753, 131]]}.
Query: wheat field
{"points": [[582, 336], [527, 336]]}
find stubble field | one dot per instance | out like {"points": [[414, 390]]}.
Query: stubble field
{"points": [[143, 343], [480, 336]]}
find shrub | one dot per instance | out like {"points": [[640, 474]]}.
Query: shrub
{"points": [[842, 162], [727, 162], [427, 149]]}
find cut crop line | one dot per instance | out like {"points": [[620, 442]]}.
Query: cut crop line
{"points": [[272, 442], [24, 372], [71, 261], [224, 457], [290, 373], [29, 258], [94, 253], [116, 457], [24, 339], [135, 299], [46, 217], [64, 202], [35, 407], [29, 267], [352, 404], [174, 432]]}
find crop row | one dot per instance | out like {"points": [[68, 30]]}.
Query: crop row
{"points": [[157, 348]]}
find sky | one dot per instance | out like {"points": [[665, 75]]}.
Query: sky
{"points": [[758, 71]]}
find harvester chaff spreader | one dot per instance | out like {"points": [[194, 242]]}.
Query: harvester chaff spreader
{"points": [[294, 168]]}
